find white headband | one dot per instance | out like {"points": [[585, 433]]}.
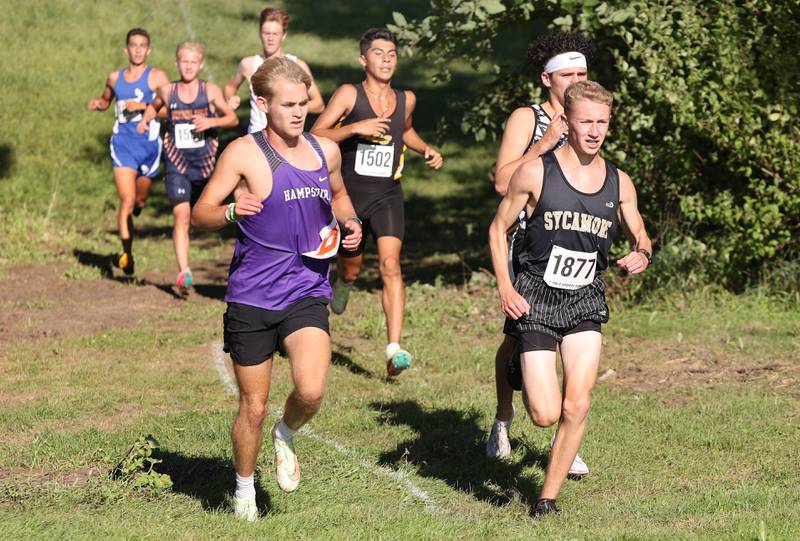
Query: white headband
{"points": [[572, 59]]}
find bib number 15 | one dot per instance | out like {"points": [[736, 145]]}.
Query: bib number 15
{"points": [[570, 269]]}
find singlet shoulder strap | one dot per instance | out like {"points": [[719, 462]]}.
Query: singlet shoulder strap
{"points": [[400, 96], [612, 175], [317, 148], [273, 159]]}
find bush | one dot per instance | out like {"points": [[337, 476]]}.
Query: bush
{"points": [[704, 117]]}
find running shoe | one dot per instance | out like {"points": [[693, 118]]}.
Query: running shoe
{"points": [[544, 506], [125, 262], [245, 509], [578, 468], [498, 446], [286, 466], [341, 291], [184, 280], [137, 210], [398, 362]]}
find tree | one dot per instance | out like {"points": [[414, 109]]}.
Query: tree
{"points": [[705, 115]]}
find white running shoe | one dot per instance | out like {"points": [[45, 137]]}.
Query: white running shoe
{"points": [[286, 466], [245, 509], [498, 446], [578, 467]]}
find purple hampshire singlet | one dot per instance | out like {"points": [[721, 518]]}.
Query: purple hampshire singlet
{"points": [[281, 253]]}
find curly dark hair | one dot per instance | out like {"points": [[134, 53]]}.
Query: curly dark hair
{"points": [[546, 47]]}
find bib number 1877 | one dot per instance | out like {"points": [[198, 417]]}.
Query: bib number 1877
{"points": [[570, 269]]}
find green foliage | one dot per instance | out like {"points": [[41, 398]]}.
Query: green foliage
{"points": [[704, 110], [136, 469]]}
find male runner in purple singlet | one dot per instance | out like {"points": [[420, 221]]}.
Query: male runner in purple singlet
{"points": [[289, 223]]}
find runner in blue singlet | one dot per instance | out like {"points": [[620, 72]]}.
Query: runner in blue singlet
{"points": [[135, 156]]}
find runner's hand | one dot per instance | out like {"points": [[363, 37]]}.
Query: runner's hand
{"points": [[247, 205], [372, 127], [353, 238], [634, 262], [557, 128], [513, 304], [433, 158], [203, 123], [142, 126], [234, 102], [94, 105]]}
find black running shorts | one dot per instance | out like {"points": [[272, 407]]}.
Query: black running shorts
{"points": [[539, 341], [382, 216], [252, 334]]}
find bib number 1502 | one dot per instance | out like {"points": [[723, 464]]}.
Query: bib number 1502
{"points": [[570, 269]]}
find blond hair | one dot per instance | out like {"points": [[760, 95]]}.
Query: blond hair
{"points": [[190, 46], [265, 77], [586, 90]]}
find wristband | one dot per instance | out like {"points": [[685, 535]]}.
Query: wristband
{"points": [[355, 219], [229, 214], [647, 254]]}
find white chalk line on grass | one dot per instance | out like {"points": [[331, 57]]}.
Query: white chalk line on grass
{"points": [[218, 360]]}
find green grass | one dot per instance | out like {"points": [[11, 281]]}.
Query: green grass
{"points": [[694, 435]]}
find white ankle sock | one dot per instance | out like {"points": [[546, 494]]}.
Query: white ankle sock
{"points": [[391, 349], [245, 487], [283, 431]]}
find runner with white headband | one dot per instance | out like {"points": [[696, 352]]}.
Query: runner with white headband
{"points": [[530, 132]]}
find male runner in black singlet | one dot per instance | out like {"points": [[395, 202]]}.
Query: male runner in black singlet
{"points": [[560, 59], [372, 124], [574, 201]]}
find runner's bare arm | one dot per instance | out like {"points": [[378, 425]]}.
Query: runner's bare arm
{"points": [[153, 108], [228, 118], [342, 102], [635, 262], [315, 102], [236, 80], [412, 139], [525, 185], [210, 211], [516, 137], [102, 103], [157, 79], [340, 201]]}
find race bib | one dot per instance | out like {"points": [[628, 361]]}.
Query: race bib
{"points": [[329, 243], [187, 137], [123, 115], [374, 160], [568, 269]]}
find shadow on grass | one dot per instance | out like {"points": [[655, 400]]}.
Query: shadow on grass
{"points": [[210, 480], [339, 358], [6, 160], [105, 263], [450, 446]]}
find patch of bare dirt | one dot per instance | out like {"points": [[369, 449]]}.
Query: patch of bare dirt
{"points": [[37, 303], [66, 478], [652, 365]]}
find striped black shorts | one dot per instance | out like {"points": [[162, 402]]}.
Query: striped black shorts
{"points": [[555, 312]]}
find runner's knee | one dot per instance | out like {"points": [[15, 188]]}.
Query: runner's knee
{"points": [[309, 399], [390, 267], [254, 413], [575, 411]]}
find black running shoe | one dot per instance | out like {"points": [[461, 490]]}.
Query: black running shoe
{"points": [[125, 262], [544, 506], [137, 210], [514, 370]]}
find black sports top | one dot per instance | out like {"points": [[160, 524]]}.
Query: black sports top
{"points": [[572, 220], [373, 165]]}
